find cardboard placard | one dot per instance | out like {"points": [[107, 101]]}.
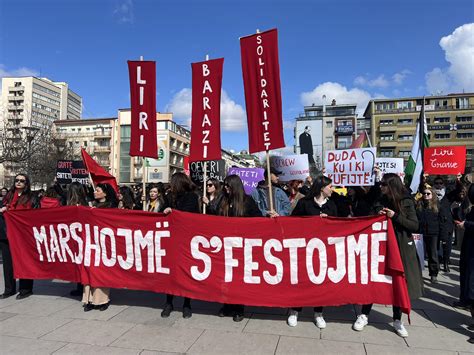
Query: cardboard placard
{"points": [[444, 160], [68, 171], [292, 167], [215, 169], [391, 165], [350, 167], [250, 177]]}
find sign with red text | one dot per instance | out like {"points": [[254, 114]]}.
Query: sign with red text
{"points": [[143, 141], [292, 167], [444, 160], [206, 111], [303, 260], [350, 167], [261, 74], [68, 171]]}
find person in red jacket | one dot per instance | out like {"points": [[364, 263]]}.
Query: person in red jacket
{"points": [[18, 198]]}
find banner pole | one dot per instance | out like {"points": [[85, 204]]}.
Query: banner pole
{"points": [[204, 189], [269, 181], [143, 172], [92, 181]]}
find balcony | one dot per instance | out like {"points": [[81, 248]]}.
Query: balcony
{"points": [[387, 143], [16, 88], [102, 149], [387, 128], [15, 98], [15, 118], [344, 130], [15, 107]]}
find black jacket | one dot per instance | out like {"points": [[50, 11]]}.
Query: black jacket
{"points": [[430, 222], [186, 202], [308, 207]]}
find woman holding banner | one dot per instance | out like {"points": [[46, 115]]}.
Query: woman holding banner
{"points": [[213, 195], [235, 203], [317, 203], [98, 297], [19, 197], [182, 197], [156, 201], [397, 204]]}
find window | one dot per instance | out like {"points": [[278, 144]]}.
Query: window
{"points": [[405, 137], [462, 103], [386, 153], [464, 119], [329, 124], [406, 121], [386, 122], [85, 143], [387, 137], [442, 135], [404, 105], [441, 103], [441, 119], [404, 153], [465, 135]]}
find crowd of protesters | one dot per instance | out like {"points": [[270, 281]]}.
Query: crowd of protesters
{"points": [[441, 212]]}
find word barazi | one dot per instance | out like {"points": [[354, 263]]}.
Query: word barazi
{"points": [[84, 244]]}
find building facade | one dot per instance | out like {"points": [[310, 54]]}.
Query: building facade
{"points": [[92, 134], [450, 120]]}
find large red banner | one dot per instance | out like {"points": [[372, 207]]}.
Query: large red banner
{"points": [[281, 262], [444, 160], [143, 105], [261, 73], [206, 110]]}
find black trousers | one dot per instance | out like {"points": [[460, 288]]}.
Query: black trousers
{"points": [[431, 250], [187, 301], [234, 309], [397, 312], [26, 285], [316, 309]]}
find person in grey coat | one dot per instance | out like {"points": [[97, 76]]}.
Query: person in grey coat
{"points": [[399, 206]]}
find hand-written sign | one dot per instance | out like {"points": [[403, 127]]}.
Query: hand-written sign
{"points": [[445, 160], [390, 165], [350, 167], [250, 177], [215, 169], [68, 171], [292, 167]]}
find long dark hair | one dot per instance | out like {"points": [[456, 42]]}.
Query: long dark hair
{"points": [[111, 200], [235, 197], [396, 188], [216, 184], [25, 195], [76, 195], [319, 183], [127, 197], [180, 183]]}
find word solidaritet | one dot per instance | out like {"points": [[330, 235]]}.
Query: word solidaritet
{"points": [[263, 94]]}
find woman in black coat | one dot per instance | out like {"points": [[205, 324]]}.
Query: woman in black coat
{"points": [[316, 203], [235, 203], [431, 216], [182, 197], [397, 204]]}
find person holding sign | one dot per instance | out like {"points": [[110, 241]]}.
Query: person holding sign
{"points": [[397, 204], [317, 203], [282, 204], [235, 203], [213, 195]]}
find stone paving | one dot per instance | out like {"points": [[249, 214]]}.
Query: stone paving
{"points": [[51, 321]]}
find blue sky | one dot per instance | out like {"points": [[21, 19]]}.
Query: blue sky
{"points": [[349, 50]]}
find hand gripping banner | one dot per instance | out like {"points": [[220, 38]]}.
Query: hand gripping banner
{"points": [[275, 262], [206, 111], [143, 141], [261, 73]]}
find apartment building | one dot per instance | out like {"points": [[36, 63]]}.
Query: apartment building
{"points": [[92, 134], [450, 120]]}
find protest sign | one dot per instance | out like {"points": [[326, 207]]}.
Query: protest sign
{"points": [[206, 110], [292, 167], [68, 171], [420, 249], [391, 165], [250, 177], [215, 170], [143, 108], [213, 258], [444, 160], [350, 167], [261, 74]]}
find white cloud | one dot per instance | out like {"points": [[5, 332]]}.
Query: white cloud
{"points": [[22, 71], [459, 53], [340, 93], [378, 82], [398, 78], [123, 12], [233, 117]]}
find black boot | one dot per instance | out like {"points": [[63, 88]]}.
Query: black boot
{"points": [[446, 266]]}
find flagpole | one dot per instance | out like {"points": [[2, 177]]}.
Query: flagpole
{"points": [[144, 169], [368, 138], [422, 141], [269, 181]]}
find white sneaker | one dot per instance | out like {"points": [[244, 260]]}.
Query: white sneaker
{"points": [[400, 328], [320, 322], [293, 318], [360, 323]]}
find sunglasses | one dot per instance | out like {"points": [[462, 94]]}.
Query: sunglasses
{"points": [[210, 185], [426, 193], [20, 180]]}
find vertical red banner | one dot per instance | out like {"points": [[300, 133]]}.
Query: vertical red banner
{"points": [[261, 73], [143, 141], [206, 110]]}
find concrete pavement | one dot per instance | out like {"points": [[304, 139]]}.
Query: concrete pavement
{"points": [[51, 321]]}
